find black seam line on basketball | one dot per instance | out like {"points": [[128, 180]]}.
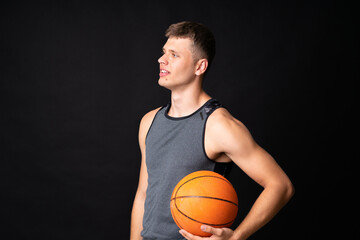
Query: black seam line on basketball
{"points": [[176, 221], [210, 224], [214, 198], [225, 180]]}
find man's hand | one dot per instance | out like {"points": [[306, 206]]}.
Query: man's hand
{"points": [[217, 233]]}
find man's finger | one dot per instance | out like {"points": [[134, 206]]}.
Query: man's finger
{"points": [[188, 235], [212, 230]]}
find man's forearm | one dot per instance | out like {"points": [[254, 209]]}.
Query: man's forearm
{"points": [[136, 218], [268, 204]]}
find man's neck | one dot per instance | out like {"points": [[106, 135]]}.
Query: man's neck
{"points": [[185, 103]]}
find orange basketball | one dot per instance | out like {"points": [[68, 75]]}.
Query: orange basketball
{"points": [[203, 197]]}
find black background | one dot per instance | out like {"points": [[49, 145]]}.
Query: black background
{"points": [[77, 76]]}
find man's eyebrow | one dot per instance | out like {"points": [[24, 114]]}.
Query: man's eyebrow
{"points": [[170, 50]]}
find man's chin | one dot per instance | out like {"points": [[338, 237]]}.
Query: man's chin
{"points": [[163, 83]]}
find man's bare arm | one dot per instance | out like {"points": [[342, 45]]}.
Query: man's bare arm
{"points": [[228, 138], [139, 201], [234, 140]]}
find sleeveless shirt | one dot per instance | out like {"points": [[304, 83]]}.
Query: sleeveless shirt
{"points": [[174, 149]]}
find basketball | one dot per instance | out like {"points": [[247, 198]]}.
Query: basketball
{"points": [[203, 197]]}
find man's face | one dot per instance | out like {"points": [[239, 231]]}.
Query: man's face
{"points": [[177, 66]]}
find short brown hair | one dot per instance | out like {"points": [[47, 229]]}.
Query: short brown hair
{"points": [[202, 37]]}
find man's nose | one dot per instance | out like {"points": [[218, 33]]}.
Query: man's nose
{"points": [[162, 60]]}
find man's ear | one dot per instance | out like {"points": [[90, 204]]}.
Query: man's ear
{"points": [[201, 66]]}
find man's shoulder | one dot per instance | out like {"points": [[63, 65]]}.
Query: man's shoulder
{"points": [[221, 120], [220, 115], [226, 133], [148, 117], [145, 124]]}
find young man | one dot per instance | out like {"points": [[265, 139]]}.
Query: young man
{"points": [[193, 132]]}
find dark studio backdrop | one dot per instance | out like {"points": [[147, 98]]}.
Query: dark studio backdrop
{"points": [[77, 76]]}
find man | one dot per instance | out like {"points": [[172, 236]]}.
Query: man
{"points": [[194, 132]]}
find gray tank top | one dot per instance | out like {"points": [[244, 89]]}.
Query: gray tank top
{"points": [[174, 149]]}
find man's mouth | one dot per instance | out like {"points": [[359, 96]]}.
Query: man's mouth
{"points": [[163, 73]]}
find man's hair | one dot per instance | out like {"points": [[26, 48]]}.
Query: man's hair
{"points": [[202, 37]]}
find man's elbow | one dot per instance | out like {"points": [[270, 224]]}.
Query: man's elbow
{"points": [[289, 190]]}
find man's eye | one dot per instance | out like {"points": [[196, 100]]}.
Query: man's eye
{"points": [[175, 55]]}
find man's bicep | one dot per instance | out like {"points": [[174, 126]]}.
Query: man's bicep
{"points": [[143, 129], [143, 177], [242, 149]]}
